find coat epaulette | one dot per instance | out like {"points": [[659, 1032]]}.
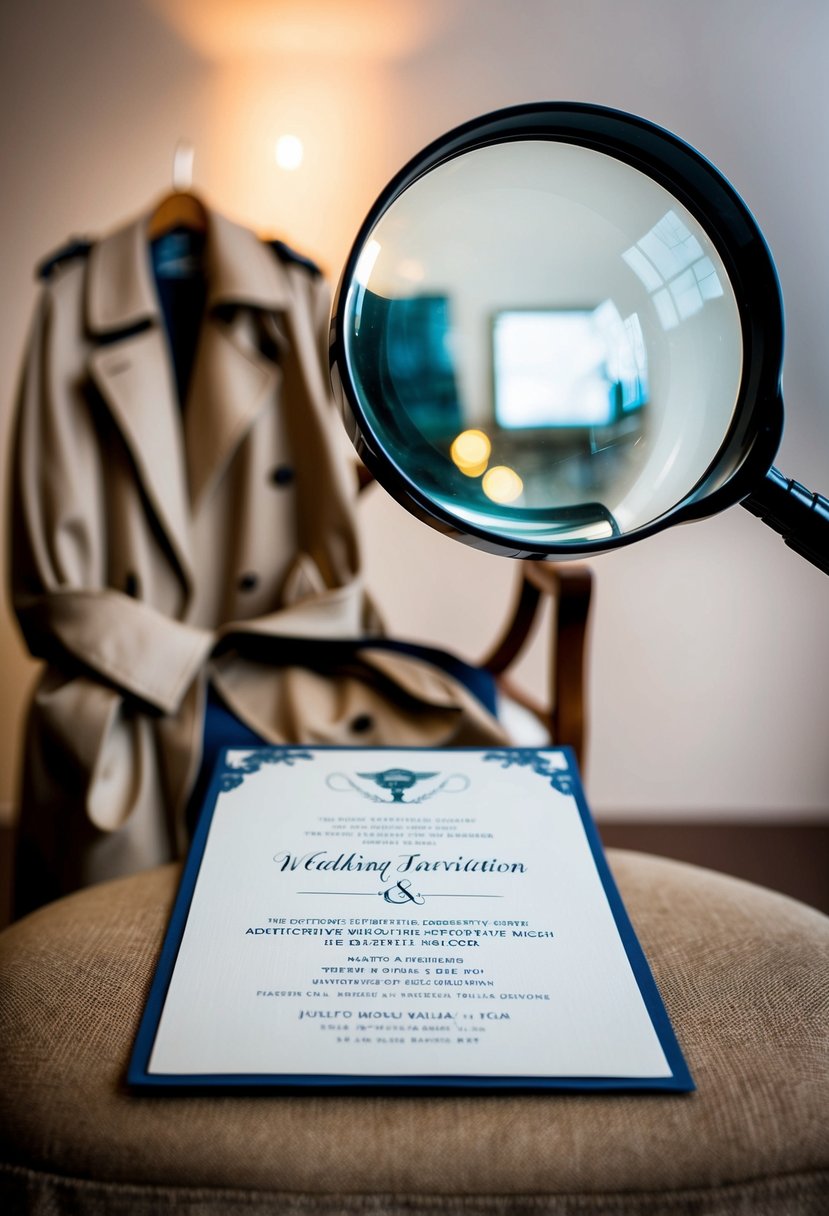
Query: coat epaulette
{"points": [[286, 254], [77, 247]]}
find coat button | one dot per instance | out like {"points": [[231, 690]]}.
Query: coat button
{"points": [[283, 475], [248, 582], [362, 723]]}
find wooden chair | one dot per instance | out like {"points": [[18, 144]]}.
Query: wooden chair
{"points": [[569, 590]]}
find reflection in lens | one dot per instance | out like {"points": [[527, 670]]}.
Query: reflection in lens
{"points": [[523, 331], [671, 265]]}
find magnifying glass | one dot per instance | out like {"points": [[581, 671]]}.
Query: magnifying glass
{"points": [[560, 330]]}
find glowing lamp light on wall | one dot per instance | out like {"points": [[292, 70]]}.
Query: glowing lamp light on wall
{"points": [[288, 152]]}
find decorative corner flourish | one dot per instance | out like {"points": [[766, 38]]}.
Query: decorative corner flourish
{"points": [[251, 762], [560, 779]]}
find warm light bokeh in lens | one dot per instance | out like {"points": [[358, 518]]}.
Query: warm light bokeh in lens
{"points": [[470, 451], [502, 484]]}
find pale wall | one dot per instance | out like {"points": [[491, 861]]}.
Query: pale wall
{"points": [[710, 675]]}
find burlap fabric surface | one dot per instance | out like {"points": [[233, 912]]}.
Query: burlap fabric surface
{"points": [[744, 974]]}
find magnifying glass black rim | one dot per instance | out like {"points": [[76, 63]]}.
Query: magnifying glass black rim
{"points": [[748, 448]]}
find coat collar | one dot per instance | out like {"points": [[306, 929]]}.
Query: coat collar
{"points": [[120, 288]]}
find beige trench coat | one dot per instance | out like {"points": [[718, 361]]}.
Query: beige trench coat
{"points": [[155, 548]]}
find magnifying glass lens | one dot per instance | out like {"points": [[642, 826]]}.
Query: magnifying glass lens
{"points": [[544, 343]]}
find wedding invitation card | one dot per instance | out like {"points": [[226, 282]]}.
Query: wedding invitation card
{"points": [[398, 918]]}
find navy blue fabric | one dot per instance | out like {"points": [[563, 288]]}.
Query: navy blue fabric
{"points": [[182, 291], [221, 729]]}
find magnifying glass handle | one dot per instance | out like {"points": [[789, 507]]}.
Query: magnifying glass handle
{"points": [[801, 517]]}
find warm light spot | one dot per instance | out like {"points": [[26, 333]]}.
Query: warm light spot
{"points": [[502, 484], [289, 151], [470, 451]]}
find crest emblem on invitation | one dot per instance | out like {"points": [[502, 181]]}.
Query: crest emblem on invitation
{"points": [[396, 782]]}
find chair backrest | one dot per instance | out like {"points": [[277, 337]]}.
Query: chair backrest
{"points": [[568, 588]]}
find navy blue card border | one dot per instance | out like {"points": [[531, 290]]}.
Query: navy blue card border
{"points": [[139, 1077]]}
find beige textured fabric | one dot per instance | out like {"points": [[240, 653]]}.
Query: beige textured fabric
{"points": [[157, 544], [744, 974]]}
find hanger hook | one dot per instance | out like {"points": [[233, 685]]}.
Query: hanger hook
{"points": [[183, 166]]}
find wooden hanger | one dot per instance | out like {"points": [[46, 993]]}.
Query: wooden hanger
{"points": [[181, 208]]}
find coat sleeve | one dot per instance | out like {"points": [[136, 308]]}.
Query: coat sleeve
{"points": [[66, 612]]}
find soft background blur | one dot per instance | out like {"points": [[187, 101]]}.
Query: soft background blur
{"points": [[710, 658]]}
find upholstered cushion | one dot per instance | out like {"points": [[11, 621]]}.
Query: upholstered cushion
{"points": [[742, 971]]}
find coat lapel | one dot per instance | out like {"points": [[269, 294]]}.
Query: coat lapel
{"points": [[229, 386], [133, 373], [134, 378]]}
